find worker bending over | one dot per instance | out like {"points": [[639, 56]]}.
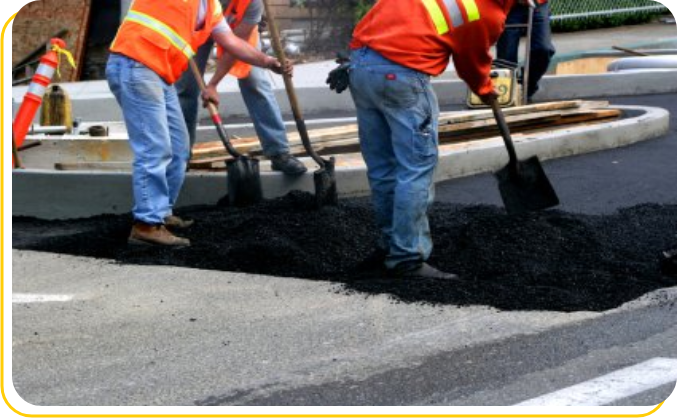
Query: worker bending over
{"points": [[257, 92], [396, 48], [150, 52]]}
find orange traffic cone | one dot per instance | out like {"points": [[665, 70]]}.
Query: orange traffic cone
{"points": [[49, 64]]}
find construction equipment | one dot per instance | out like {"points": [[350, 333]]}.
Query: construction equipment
{"points": [[524, 185], [244, 177], [32, 101], [505, 83], [56, 108], [325, 178]]}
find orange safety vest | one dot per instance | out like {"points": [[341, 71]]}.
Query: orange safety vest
{"points": [[237, 9], [161, 34], [418, 34]]}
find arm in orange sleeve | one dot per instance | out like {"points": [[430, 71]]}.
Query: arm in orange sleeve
{"points": [[472, 43]]}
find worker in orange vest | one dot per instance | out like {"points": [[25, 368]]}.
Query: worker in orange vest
{"points": [[257, 92], [542, 49], [396, 48], [150, 52]]}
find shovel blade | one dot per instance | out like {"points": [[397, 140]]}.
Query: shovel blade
{"points": [[669, 263], [527, 188], [325, 184], [244, 182]]}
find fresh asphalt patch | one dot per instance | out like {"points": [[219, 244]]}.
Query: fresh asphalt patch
{"points": [[548, 261]]}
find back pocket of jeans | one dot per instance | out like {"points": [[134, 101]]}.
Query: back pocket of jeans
{"points": [[401, 90]]}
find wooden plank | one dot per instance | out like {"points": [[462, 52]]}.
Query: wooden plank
{"points": [[482, 129], [319, 136], [204, 163]]}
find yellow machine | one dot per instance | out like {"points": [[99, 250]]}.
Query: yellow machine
{"points": [[505, 81]]}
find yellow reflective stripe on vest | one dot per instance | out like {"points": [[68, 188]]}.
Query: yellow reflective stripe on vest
{"points": [[162, 29], [472, 10], [437, 16]]}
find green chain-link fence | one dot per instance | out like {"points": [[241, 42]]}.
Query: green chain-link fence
{"points": [[571, 15]]}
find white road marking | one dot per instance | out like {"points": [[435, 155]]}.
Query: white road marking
{"points": [[613, 386], [33, 298]]}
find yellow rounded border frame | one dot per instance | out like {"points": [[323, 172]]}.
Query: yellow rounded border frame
{"points": [[2, 306]]}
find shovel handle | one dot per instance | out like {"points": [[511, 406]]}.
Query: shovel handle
{"points": [[214, 112], [289, 86], [630, 51], [505, 132], [15, 153], [527, 56]]}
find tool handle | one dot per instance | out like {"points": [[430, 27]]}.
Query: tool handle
{"points": [[630, 51], [214, 112], [527, 57], [505, 132], [289, 86], [15, 153]]}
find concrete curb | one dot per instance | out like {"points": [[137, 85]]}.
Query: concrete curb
{"points": [[52, 194], [101, 105]]}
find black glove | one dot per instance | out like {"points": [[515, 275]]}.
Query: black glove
{"points": [[339, 78]]}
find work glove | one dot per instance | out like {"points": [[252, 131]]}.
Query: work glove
{"points": [[339, 78]]}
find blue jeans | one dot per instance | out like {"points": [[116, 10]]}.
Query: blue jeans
{"points": [[258, 96], [157, 136], [397, 115], [542, 49]]}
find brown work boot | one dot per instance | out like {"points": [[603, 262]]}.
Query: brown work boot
{"points": [[174, 222], [145, 234]]}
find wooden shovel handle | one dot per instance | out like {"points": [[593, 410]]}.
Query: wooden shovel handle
{"points": [[289, 86]]}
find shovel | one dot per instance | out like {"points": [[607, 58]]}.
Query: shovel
{"points": [[523, 184], [244, 178], [325, 178]]}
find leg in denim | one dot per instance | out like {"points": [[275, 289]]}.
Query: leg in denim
{"points": [[257, 93], [180, 145], [542, 48], [141, 94], [397, 116]]}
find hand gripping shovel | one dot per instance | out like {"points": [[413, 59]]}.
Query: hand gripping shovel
{"points": [[325, 178], [523, 184], [244, 178]]}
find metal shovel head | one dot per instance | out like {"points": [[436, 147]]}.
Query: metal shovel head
{"points": [[527, 188], [669, 262], [325, 184], [244, 181]]}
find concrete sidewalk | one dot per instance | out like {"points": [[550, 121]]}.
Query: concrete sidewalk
{"points": [[653, 35]]}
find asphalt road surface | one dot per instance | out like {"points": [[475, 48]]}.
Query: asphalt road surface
{"points": [[90, 332]]}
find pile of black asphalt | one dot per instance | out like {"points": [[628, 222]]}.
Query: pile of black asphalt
{"points": [[549, 261]]}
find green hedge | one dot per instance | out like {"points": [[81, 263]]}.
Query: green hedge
{"points": [[615, 17]]}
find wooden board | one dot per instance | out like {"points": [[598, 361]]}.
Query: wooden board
{"points": [[38, 21], [483, 129], [454, 127]]}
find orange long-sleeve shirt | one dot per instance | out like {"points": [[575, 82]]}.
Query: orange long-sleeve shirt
{"points": [[408, 33]]}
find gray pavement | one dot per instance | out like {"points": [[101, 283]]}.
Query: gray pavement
{"points": [[149, 335]]}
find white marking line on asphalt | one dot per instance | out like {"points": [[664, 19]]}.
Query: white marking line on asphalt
{"points": [[33, 298], [613, 386]]}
